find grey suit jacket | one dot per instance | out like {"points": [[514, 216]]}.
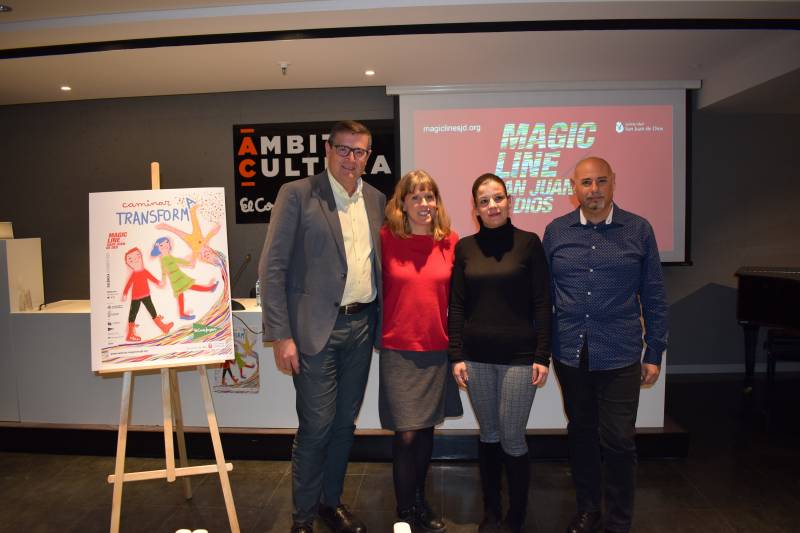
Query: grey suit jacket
{"points": [[303, 266]]}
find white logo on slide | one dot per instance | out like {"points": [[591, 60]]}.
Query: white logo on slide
{"points": [[620, 127]]}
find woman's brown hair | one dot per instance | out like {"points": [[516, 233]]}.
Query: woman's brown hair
{"points": [[397, 219]]}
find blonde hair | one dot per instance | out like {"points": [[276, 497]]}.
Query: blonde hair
{"points": [[397, 219]]}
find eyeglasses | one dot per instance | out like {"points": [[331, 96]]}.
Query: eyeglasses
{"points": [[342, 150]]}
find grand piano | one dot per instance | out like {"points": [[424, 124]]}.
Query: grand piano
{"points": [[769, 297]]}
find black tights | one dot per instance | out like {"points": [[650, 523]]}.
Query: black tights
{"points": [[412, 455]]}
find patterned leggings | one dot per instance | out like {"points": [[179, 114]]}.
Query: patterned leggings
{"points": [[502, 397]]}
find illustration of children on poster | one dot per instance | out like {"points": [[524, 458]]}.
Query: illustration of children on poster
{"points": [[139, 289], [241, 374], [164, 250]]}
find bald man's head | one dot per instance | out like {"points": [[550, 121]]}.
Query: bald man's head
{"points": [[595, 161], [593, 182]]}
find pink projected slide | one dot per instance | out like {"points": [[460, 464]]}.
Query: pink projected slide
{"points": [[535, 150]]}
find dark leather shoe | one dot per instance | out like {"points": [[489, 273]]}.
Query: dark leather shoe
{"points": [[426, 520], [585, 522], [341, 520], [302, 528]]}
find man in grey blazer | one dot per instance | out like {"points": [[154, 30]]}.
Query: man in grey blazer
{"points": [[320, 274]]}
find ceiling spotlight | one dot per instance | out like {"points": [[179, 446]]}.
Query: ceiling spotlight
{"points": [[369, 72], [66, 88], [284, 67], [4, 8]]}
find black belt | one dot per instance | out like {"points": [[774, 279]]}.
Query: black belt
{"points": [[354, 308]]}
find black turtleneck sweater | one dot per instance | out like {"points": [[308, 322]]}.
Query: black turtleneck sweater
{"points": [[500, 298]]}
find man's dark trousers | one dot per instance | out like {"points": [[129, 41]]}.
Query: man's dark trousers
{"points": [[601, 408], [329, 391]]}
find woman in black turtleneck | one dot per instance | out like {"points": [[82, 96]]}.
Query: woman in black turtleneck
{"points": [[499, 329]]}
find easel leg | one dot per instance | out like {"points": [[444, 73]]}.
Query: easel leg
{"points": [[166, 404], [122, 439], [178, 412], [214, 431]]}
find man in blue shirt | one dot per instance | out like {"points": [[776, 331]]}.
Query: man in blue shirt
{"points": [[607, 283]]}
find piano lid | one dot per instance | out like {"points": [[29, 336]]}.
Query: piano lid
{"points": [[770, 272], [768, 296]]}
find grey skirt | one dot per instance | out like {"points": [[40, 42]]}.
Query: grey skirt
{"points": [[416, 390]]}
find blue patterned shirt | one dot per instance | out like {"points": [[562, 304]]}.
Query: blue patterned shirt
{"points": [[606, 280]]}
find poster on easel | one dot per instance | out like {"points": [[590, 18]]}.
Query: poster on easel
{"points": [[160, 290], [242, 374]]}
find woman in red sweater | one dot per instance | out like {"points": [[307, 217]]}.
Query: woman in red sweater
{"points": [[417, 259]]}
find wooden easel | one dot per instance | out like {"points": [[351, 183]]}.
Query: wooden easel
{"points": [[171, 407]]}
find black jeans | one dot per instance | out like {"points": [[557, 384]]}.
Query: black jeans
{"points": [[601, 408]]}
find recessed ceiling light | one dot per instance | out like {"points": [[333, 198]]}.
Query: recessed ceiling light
{"points": [[4, 8], [66, 88], [369, 72]]}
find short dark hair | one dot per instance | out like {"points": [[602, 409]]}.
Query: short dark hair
{"points": [[483, 178], [349, 126]]}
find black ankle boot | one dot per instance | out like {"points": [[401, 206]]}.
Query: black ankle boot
{"points": [[424, 517], [491, 469], [519, 473], [406, 515]]}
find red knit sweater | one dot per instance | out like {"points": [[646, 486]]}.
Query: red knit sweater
{"points": [[416, 290]]}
